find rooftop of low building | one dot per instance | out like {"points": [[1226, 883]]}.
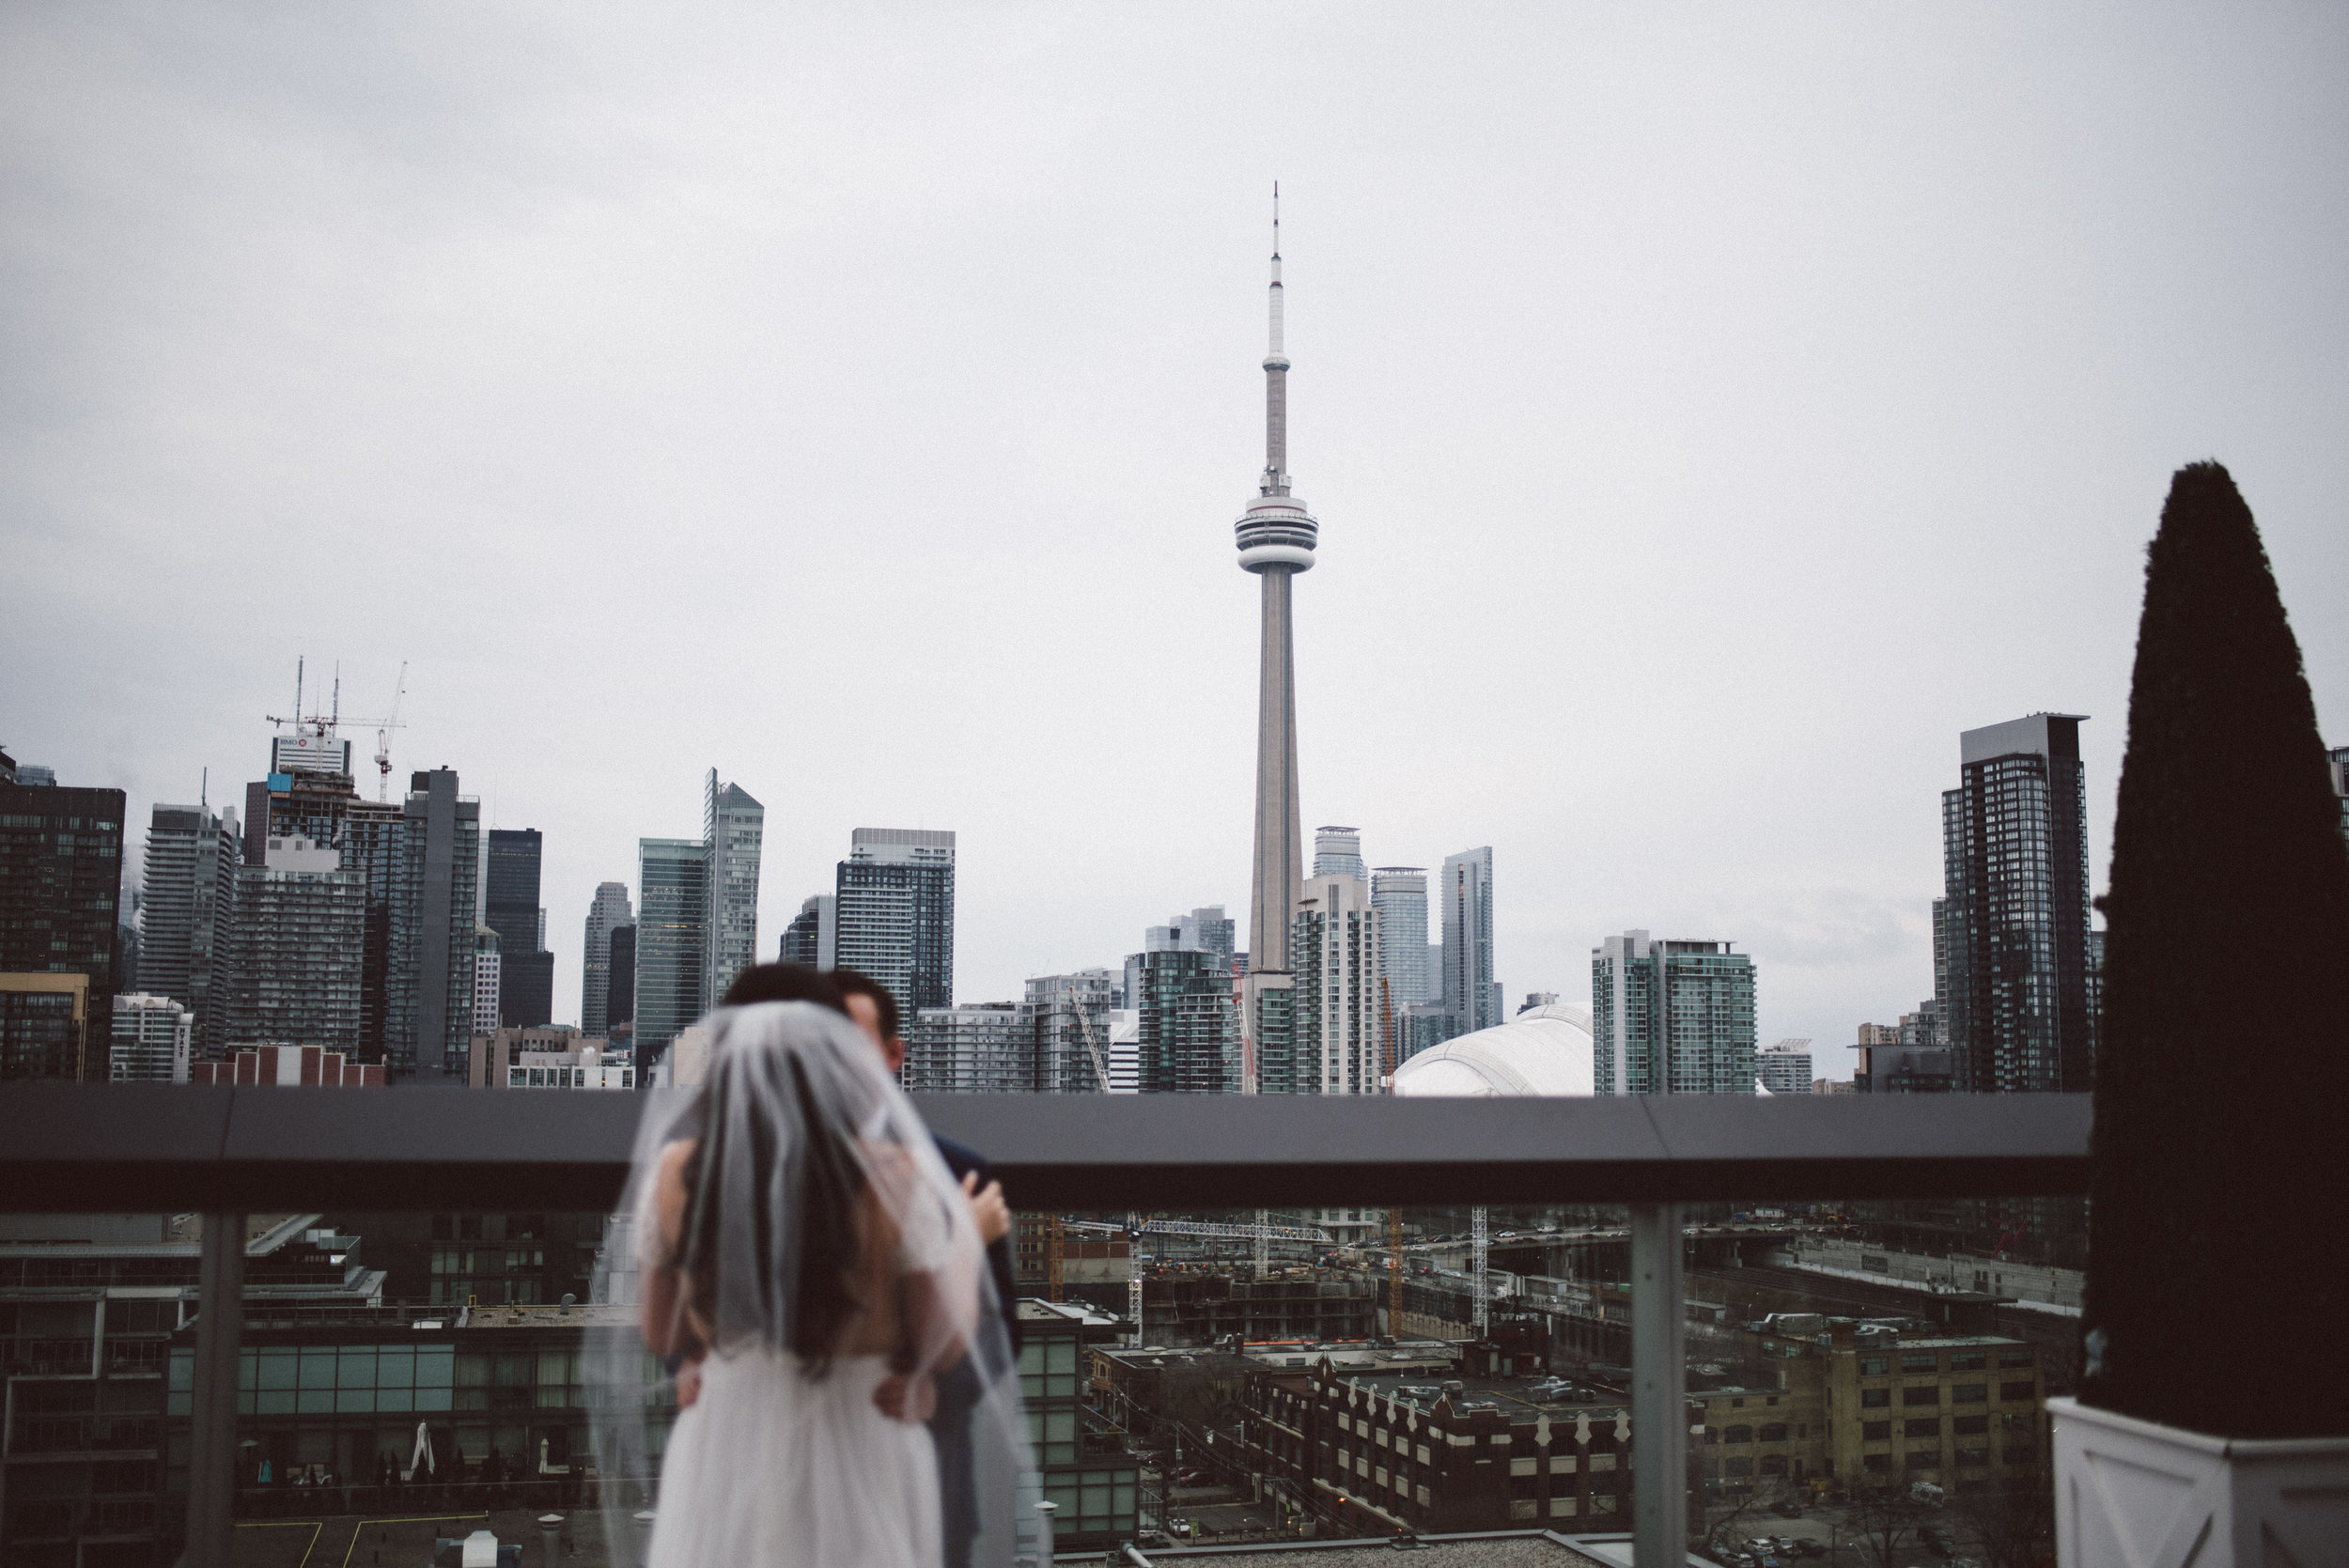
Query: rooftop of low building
{"points": [[1517, 1548]]}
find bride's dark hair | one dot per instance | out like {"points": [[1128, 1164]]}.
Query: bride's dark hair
{"points": [[795, 1279]]}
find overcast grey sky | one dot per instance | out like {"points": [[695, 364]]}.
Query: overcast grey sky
{"points": [[1710, 411]]}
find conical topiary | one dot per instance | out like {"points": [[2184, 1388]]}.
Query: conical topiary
{"points": [[2216, 1254]]}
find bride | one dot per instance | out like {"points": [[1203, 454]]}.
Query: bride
{"points": [[807, 1259]]}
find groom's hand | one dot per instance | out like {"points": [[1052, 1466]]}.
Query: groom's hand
{"points": [[906, 1397], [987, 1208]]}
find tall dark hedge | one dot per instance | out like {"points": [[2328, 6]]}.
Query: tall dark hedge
{"points": [[2218, 1252]]}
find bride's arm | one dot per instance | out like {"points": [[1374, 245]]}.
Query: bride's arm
{"points": [[665, 1329]]}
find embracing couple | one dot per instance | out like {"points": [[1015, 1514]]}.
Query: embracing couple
{"points": [[830, 1286]]}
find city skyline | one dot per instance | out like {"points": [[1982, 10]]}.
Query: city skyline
{"points": [[1730, 396]]}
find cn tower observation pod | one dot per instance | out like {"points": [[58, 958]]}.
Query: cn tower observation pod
{"points": [[1276, 531]]}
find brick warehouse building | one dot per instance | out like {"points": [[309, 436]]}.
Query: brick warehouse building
{"points": [[1371, 1459]]}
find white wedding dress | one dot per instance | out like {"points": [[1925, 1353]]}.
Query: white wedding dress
{"points": [[771, 1467], [798, 1138]]}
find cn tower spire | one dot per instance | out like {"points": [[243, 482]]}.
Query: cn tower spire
{"points": [[1276, 537], [1276, 376]]}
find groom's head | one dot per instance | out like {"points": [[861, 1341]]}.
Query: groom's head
{"points": [[868, 1001]]}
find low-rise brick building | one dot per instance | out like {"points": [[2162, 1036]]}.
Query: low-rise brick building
{"points": [[1371, 1455]]}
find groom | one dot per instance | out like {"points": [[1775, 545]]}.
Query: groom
{"points": [[957, 1388]]}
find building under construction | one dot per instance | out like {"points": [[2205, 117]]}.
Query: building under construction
{"points": [[1183, 1305]]}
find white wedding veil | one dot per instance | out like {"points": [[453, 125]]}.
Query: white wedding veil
{"points": [[794, 1209]]}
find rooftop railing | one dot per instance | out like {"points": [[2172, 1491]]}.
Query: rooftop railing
{"points": [[226, 1152]]}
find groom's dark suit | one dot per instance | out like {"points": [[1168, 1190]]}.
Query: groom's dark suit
{"points": [[958, 1387]]}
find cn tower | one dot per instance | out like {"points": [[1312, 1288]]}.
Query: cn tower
{"points": [[1276, 542]]}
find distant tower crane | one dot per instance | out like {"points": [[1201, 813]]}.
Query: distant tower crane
{"points": [[324, 726], [384, 737]]}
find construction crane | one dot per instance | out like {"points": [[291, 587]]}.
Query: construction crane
{"points": [[1236, 1233], [1394, 1215], [1479, 1261], [384, 737], [324, 725], [1056, 1265], [1133, 1221]]}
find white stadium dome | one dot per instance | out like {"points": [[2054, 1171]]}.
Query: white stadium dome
{"points": [[1542, 1050]]}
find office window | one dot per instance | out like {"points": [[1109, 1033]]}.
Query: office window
{"points": [[1740, 1434], [1967, 1426], [1974, 1362], [1876, 1431], [1923, 1361], [2018, 1390], [1969, 1393], [1874, 1366], [1875, 1399], [1920, 1396]]}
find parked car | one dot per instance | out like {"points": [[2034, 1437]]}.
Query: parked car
{"points": [[1787, 1508], [1809, 1548]]}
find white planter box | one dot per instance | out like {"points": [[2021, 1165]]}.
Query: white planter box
{"points": [[2135, 1494]]}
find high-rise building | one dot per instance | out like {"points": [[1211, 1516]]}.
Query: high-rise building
{"points": [[1068, 1018], [45, 1028], [619, 1006], [672, 941], [1672, 1017], [300, 920], [813, 938], [130, 934], [1421, 1025], [1784, 1069], [509, 896], [606, 914], [1124, 1048], [486, 961], [982, 1050], [896, 910], [1186, 1029], [1399, 894], [2338, 759], [310, 793], [151, 1039], [1203, 930], [1469, 987], [1906, 1057], [429, 989], [61, 864], [1336, 1043], [191, 916], [510, 907], [1214, 932], [1338, 852], [733, 826], [1276, 537], [2012, 926]]}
